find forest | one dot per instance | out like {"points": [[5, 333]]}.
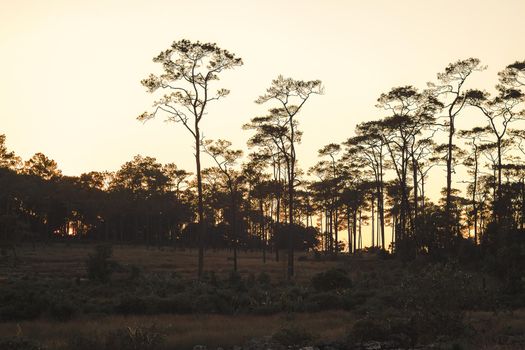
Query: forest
{"points": [[361, 211]]}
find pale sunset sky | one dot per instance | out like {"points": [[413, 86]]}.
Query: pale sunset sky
{"points": [[70, 70]]}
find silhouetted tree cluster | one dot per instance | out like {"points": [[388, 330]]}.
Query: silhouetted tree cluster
{"points": [[380, 178]]}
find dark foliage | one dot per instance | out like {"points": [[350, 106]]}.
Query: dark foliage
{"points": [[99, 266], [19, 343], [293, 337], [129, 338], [331, 280]]}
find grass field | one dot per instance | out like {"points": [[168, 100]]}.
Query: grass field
{"points": [[59, 261], [376, 287], [68, 260], [490, 330], [185, 331]]}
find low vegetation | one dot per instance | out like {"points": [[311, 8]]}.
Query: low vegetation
{"points": [[348, 301]]}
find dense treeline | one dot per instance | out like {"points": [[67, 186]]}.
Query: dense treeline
{"points": [[143, 202], [376, 178]]}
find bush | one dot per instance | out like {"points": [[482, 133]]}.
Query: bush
{"points": [[62, 310], [331, 279], [235, 281], [205, 303], [132, 305], [177, 304], [367, 329], [135, 272], [293, 337], [348, 301], [292, 299], [18, 343], [323, 301], [99, 266], [434, 301], [402, 331], [134, 339], [264, 279], [22, 304], [209, 277], [121, 339], [79, 341]]}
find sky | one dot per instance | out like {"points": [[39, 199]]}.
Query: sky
{"points": [[70, 70]]}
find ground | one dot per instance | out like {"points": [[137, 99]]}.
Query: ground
{"points": [[374, 282], [68, 260]]}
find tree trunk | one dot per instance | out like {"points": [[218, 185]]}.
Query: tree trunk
{"points": [[360, 235], [263, 230], [499, 168], [416, 204], [354, 229], [349, 230], [381, 204], [373, 222], [202, 227], [448, 200], [331, 230], [336, 229], [234, 227], [522, 221], [474, 192]]}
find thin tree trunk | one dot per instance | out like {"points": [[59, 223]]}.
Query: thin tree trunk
{"points": [[448, 219], [373, 222], [330, 230], [349, 230], [263, 230], [416, 204], [234, 227], [336, 229], [360, 235], [354, 229], [474, 192], [381, 204], [202, 227], [523, 203]]}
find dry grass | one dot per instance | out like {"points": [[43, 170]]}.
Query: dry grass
{"points": [[498, 330], [491, 330], [182, 331], [61, 260], [185, 331]]}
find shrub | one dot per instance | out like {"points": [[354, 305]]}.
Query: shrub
{"points": [[22, 303], [367, 329], [434, 300], [348, 302], [130, 305], [62, 310], [323, 301], [210, 277], [293, 337], [331, 279], [134, 339], [292, 299], [264, 279], [205, 303], [18, 343], [135, 272], [402, 331], [235, 281], [177, 304], [79, 341], [129, 338], [99, 266]]}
